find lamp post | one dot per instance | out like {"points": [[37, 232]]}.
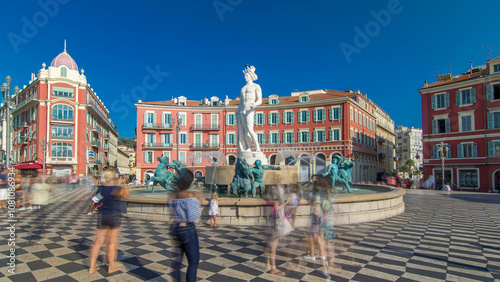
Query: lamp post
{"points": [[43, 143], [7, 102], [443, 151], [178, 129]]}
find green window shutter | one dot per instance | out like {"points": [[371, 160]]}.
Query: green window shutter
{"points": [[270, 139], [490, 120], [433, 101], [293, 117], [491, 149], [449, 151], [489, 92], [145, 118], [284, 118], [278, 118], [435, 152], [460, 151], [447, 99], [331, 135], [284, 137], [146, 157], [434, 126], [474, 150], [458, 97], [154, 118], [448, 127], [340, 113], [270, 118], [227, 119], [315, 136], [315, 115], [299, 119], [331, 114], [308, 116], [278, 136], [473, 95]]}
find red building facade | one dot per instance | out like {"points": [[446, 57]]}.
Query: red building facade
{"points": [[463, 112], [59, 106], [315, 123]]}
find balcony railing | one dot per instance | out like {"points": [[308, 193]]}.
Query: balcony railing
{"points": [[61, 160], [23, 140], [102, 116], [205, 146], [30, 98], [62, 118], [62, 136], [154, 145], [201, 127], [96, 144], [166, 126], [96, 129]]}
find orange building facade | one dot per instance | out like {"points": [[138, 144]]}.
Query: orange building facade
{"points": [[313, 124], [58, 107]]}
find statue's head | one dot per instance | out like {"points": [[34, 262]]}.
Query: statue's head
{"points": [[178, 163], [249, 72], [258, 163], [163, 160], [337, 158]]}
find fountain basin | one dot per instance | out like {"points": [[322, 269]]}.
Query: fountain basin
{"points": [[384, 202]]}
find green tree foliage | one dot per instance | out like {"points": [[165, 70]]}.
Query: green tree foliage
{"points": [[129, 142]]}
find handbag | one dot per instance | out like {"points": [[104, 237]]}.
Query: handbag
{"points": [[283, 226]]}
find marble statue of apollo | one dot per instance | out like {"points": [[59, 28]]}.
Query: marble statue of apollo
{"points": [[250, 98]]}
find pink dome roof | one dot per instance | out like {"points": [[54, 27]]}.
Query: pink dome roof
{"points": [[64, 59]]}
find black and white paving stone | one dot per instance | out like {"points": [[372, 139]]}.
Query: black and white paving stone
{"points": [[440, 237]]}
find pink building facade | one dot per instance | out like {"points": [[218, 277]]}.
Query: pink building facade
{"points": [[315, 123], [463, 112]]}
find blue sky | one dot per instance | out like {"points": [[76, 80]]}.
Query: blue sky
{"points": [[198, 48]]}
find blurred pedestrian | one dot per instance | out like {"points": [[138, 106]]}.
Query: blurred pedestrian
{"points": [[4, 191], [213, 211], [109, 220], [41, 196], [186, 210]]}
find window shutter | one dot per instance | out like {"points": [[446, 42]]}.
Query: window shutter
{"points": [[490, 120], [331, 114], [473, 95], [489, 92], [448, 129], [308, 116], [331, 135], [293, 117], [449, 151], [269, 137], [458, 97], [270, 117], [434, 126], [284, 118], [323, 114], [146, 157], [145, 118], [447, 99], [278, 116], [278, 136], [227, 119], [315, 136], [154, 118], [284, 138], [474, 150], [293, 137], [434, 152], [491, 149], [460, 151], [340, 113], [433, 102], [315, 115], [299, 118]]}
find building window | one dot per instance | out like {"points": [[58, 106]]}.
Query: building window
{"points": [[62, 131], [351, 114], [273, 101], [149, 119], [335, 135], [441, 125], [183, 138], [493, 92], [182, 157], [288, 137], [466, 123], [62, 150], [166, 119], [304, 136], [261, 138], [231, 139], [230, 119], [166, 138], [304, 99], [467, 150], [435, 152], [496, 68], [493, 120], [319, 115], [274, 138], [319, 136], [304, 116], [150, 138], [468, 178], [466, 97], [274, 118], [64, 71], [494, 149], [148, 157], [62, 92], [62, 113], [335, 113], [260, 118], [197, 157], [440, 101], [288, 117]]}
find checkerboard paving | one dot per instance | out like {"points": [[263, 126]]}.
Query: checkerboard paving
{"points": [[441, 236]]}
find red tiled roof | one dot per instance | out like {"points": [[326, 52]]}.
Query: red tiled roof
{"points": [[461, 77]]}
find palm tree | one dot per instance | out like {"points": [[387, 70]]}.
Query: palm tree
{"points": [[404, 169], [411, 165]]}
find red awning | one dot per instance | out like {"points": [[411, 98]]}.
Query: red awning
{"points": [[31, 166]]}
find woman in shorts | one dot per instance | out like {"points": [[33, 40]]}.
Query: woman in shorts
{"points": [[109, 220]]}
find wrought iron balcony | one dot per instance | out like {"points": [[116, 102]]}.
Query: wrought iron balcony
{"points": [[96, 144], [23, 140], [62, 118], [205, 127], [165, 126], [29, 99], [62, 136], [155, 145], [205, 146]]}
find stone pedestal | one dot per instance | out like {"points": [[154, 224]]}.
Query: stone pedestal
{"points": [[223, 175], [251, 157]]}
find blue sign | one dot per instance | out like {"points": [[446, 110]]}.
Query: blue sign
{"points": [[90, 153]]}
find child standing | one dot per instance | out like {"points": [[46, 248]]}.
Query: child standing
{"points": [[214, 208]]}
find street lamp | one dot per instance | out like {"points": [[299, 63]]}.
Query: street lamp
{"points": [[7, 102], [178, 129], [443, 152]]}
